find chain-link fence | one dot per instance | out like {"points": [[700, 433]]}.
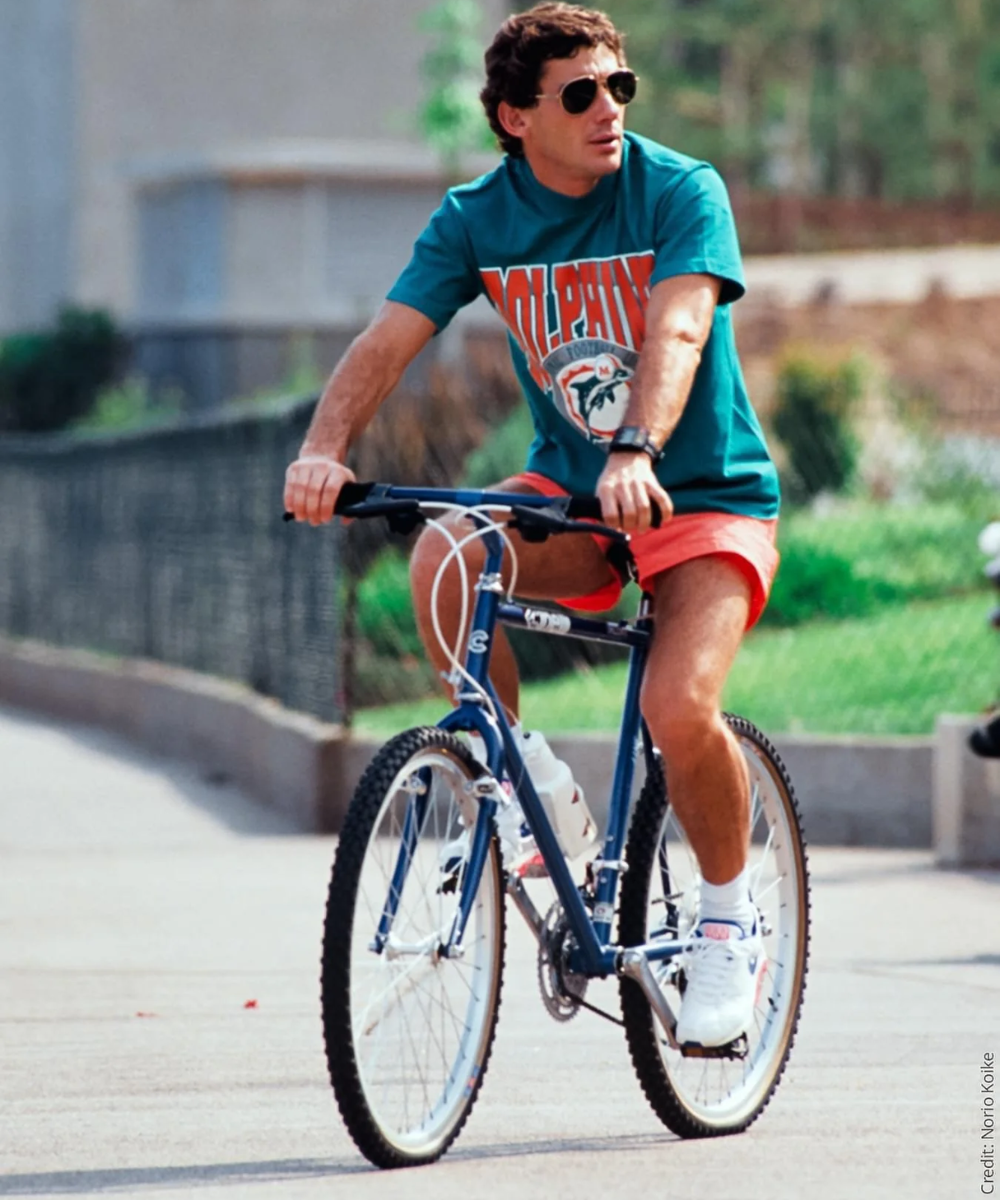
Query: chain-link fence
{"points": [[169, 545]]}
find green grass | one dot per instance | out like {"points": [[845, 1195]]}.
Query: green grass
{"points": [[889, 673], [863, 557]]}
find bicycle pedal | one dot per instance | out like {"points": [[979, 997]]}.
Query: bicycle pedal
{"points": [[739, 1048]]}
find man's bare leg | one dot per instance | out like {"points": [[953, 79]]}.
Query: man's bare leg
{"points": [[701, 610], [569, 565]]}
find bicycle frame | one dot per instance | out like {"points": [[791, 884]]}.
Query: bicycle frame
{"points": [[594, 955]]}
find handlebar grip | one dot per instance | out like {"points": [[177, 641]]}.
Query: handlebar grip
{"points": [[584, 507], [589, 507], [352, 493]]}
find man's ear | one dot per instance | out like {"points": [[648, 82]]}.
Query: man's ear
{"points": [[514, 120]]}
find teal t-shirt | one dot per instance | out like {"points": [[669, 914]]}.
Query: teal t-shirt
{"points": [[571, 278]]}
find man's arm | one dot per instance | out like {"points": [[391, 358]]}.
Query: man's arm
{"points": [[678, 322], [366, 374]]}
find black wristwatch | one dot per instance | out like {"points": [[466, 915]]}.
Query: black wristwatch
{"points": [[635, 439]]}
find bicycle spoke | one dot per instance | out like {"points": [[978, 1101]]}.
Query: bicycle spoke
{"points": [[714, 1086], [770, 887], [419, 1018]]}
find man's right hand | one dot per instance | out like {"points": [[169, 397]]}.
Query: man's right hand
{"points": [[312, 485]]}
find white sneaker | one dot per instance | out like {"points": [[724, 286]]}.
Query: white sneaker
{"points": [[723, 967]]}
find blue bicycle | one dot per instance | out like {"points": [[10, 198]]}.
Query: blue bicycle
{"points": [[414, 935]]}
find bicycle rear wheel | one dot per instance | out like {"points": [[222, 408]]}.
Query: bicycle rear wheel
{"points": [[705, 1096], [408, 1032]]}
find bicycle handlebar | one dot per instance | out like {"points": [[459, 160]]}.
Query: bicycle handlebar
{"points": [[535, 516], [354, 494]]}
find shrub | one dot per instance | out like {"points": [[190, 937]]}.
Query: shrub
{"points": [[813, 419], [813, 582], [130, 405], [48, 380], [385, 611], [503, 452]]}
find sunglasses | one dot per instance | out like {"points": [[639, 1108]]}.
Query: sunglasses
{"points": [[579, 94]]}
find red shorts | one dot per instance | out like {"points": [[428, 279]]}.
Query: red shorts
{"points": [[747, 542]]}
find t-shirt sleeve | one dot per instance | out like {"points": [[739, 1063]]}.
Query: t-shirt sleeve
{"points": [[696, 233], [441, 277]]}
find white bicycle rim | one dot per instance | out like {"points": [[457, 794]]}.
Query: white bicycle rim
{"points": [[718, 1091], [421, 1023]]}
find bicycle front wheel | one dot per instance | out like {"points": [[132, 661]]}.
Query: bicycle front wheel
{"points": [[705, 1096], [408, 1032]]}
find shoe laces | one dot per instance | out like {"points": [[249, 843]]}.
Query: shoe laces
{"points": [[709, 965]]}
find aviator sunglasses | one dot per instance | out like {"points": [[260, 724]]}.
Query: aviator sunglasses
{"points": [[578, 95]]}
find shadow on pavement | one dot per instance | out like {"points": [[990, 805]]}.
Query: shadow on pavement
{"points": [[214, 795], [970, 960], [586, 1145], [205, 1175], [202, 1175]]}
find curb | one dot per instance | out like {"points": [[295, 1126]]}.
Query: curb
{"points": [[853, 791], [286, 760]]}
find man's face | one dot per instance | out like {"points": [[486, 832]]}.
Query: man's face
{"points": [[575, 150]]}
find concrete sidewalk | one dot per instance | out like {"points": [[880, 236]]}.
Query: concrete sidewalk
{"points": [[142, 909]]}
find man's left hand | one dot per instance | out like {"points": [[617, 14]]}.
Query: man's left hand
{"points": [[627, 489]]}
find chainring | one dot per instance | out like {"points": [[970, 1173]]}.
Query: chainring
{"points": [[562, 989]]}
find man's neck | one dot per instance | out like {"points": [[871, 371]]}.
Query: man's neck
{"points": [[559, 180]]}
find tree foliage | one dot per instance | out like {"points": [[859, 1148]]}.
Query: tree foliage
{"points": [[50, 379], [899, 100], [451, 118], [813, 417]]}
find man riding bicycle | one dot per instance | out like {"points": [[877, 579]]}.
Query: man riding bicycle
{"points": [[613, 262]]}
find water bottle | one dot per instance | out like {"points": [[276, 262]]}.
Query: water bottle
{"points": [[511, 827], [561, 796]]}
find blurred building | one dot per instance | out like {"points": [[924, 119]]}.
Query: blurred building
{"points": [[227, 176]]}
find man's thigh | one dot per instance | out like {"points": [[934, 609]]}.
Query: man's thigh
{"points": [[567, 565], [701, 608]]}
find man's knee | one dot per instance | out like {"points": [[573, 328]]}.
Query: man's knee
{"points": [[684, 722], [429, 551]]}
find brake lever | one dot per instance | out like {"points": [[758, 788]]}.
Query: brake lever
{"points": [[537, 524], [402, 516]]}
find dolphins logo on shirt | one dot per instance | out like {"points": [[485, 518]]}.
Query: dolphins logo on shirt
{"points": [[592, 382], [581, 325]]}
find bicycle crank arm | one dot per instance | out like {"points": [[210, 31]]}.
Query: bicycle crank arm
{"points": [[634, 964]]}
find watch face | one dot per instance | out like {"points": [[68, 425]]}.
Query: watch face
{"points": [[630, 438], [635, 438]]}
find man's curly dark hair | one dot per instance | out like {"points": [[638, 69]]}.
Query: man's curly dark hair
{"points": [[525, 42]]}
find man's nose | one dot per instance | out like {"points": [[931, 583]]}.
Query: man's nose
{"points": [[605, 105]]}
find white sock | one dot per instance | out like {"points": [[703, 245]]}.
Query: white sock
{"points": [[728, 901]]}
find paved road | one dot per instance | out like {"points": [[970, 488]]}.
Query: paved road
{"points": [[130, 886]]}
